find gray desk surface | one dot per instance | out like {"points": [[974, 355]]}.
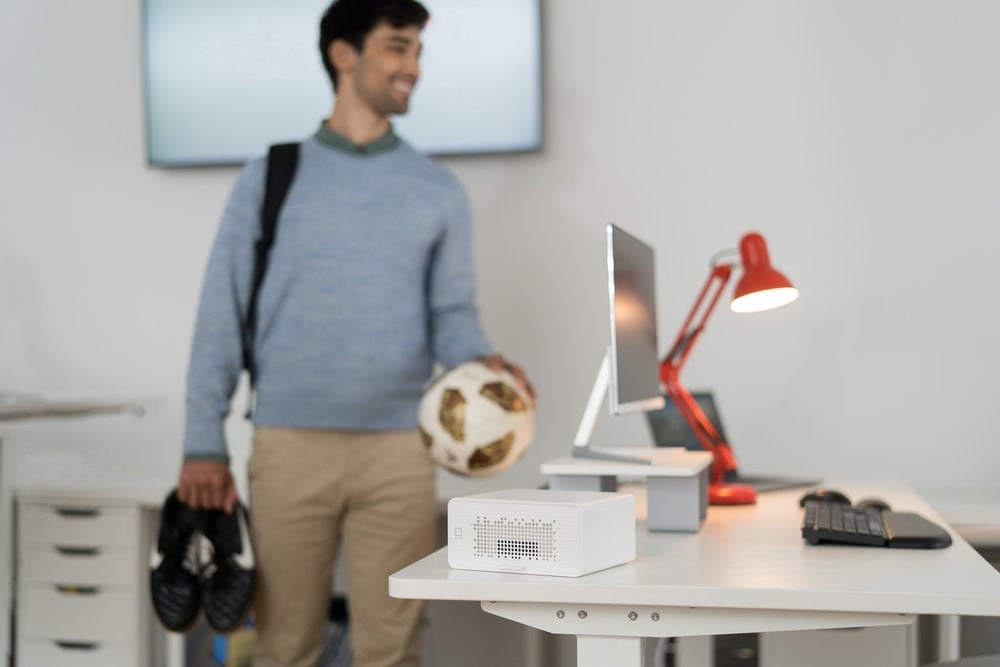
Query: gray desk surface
{"points": [[26, 409]]}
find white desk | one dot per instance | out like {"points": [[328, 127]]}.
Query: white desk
{"points": [[747, 570], [18, 409]]}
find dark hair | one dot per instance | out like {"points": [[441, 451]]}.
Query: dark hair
{"points": [[352, 20]]}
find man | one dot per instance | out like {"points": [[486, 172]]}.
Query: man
{"points": [[369, 282]]}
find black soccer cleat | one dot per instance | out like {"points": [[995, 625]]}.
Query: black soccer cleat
{"points": [[173, 565], [229, 573]]}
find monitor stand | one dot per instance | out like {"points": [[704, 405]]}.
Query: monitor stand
{"points": [[581, 443], [676, 479]]}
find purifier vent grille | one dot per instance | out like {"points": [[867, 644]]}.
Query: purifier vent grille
{"points": [[514, 539]]}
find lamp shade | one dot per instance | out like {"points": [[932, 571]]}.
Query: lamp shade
{"points": [[762, 287]]}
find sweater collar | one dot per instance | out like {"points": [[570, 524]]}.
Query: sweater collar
{"points": [[341, 143]]}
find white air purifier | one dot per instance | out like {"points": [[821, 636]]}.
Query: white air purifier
{"points": [[537, 531]]}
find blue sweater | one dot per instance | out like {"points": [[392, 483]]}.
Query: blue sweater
{"points": [[369, 281]]}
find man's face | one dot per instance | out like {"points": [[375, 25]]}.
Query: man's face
{"points": [[388, 68]]}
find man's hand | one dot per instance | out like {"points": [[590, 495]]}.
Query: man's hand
{"points": [[206, 485], [498, 363]]}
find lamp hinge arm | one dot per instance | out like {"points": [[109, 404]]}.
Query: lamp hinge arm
{"points": [[710, 292]]}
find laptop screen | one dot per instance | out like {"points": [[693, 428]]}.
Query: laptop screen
{"points": [[670, 430]]}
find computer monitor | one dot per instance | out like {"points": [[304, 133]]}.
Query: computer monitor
{"points": [[631, 366], [635, 361]]}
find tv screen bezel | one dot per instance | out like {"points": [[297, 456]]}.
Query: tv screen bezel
{"points": [[531, 146]]}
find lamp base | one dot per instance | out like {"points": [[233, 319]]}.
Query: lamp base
{"points": [[731, 494]]}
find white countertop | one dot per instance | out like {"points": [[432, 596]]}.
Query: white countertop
{"points": [[750, 557]]}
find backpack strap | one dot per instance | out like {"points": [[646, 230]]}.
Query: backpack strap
{"points": [[281, 162]]}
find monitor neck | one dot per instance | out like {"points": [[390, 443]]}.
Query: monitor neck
{"points": [[581, 443]]}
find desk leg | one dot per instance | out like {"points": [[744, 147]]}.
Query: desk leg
{"points": [[534, 647], [7, 540], [603, 651], [949, 636], [698, 651], [175, 650]]}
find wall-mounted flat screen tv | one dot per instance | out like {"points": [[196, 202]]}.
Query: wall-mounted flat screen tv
{"points": [[226, 78]]}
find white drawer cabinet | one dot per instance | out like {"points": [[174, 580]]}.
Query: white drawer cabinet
{"points": [[83, 581], [70, 654]]}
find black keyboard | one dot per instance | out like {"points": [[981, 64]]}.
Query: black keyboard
{"points": [[826, 521]]}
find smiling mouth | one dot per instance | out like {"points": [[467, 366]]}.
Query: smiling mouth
{"points": [[403, 87]]}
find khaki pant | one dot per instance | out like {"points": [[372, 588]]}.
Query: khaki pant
{"points": [[309, 489]]}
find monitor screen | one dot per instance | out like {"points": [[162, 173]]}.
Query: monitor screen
{"points": [[635, 362], [223, 79]]}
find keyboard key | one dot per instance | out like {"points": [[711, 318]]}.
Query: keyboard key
{"points": [[810, 519], [875, 524]]}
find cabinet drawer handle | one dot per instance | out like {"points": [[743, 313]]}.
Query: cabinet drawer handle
{"points": [[77, 512], [78, 551], [77, 590], [76, 646]]}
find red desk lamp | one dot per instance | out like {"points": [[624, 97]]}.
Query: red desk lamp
{"points": [[761, 288]]}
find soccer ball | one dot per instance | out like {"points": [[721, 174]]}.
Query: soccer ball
{"points": [[476, 421]]}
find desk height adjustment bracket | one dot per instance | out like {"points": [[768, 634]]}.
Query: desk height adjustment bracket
{"points": [[614, 620]]}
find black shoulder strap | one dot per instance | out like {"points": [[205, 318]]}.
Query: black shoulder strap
{"points": [[281, 162]]}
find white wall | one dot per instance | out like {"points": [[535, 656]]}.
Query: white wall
{"points": [[861, 137]]}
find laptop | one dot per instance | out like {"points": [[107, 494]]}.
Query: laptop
{"points": [[670, 430]]}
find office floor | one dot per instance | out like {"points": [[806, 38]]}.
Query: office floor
{"points": [[200, 646]]}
